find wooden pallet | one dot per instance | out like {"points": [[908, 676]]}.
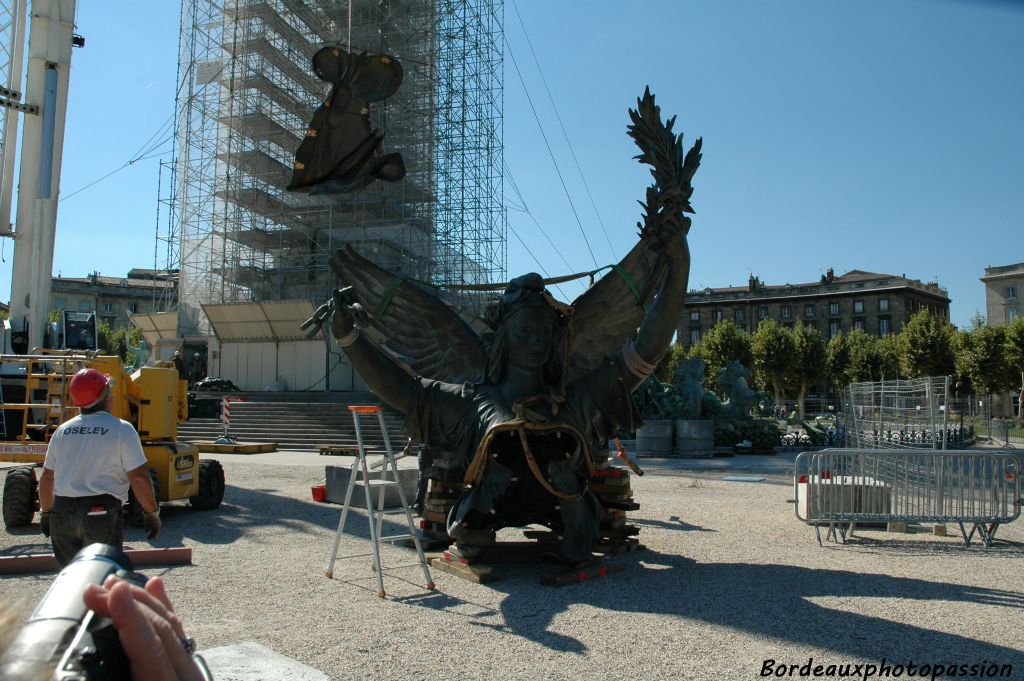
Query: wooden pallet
{"points": [[240, 448], [338, 450]]}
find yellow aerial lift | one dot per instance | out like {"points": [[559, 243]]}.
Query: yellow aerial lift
{"points": [[153, 399]]}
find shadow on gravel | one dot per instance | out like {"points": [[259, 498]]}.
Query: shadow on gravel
{"points": [[928, 546], [674, 523], [244, 509], [797, 605]]}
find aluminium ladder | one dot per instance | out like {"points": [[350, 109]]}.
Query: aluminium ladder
{"points": [[375, 516]]}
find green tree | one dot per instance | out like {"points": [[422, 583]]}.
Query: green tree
{"points": [[1015, 357], [774, 351], [890, 351], [112, 341], [982, 356], [927, 346], [837, 361], [809, 360], [723, 343], [865, 361]]}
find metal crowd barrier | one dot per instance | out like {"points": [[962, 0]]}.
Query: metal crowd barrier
{"points": [[839, 488]]}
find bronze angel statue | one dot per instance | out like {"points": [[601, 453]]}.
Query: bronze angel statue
{"points": [[522, 407]]}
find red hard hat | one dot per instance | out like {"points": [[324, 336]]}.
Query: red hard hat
{"points": [[87, 387]]}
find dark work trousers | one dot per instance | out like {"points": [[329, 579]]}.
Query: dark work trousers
{"points": [[80, 521]]}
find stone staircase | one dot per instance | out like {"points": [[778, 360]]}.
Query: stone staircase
{"points": [[297, 421]]}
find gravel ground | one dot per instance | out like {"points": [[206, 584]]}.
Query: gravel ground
{"points": [[730, 579]]}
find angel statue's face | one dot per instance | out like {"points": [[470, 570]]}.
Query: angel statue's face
{"points": [[530, 334]]}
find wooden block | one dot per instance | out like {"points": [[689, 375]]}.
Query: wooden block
{"points": [[612, 472], [434, 517], [896, 527], [583, 574], [466, 572], [619, 532], [620, 505], [477, 538], [612, 483], [46, 562], [939, 530], [338, 450]]}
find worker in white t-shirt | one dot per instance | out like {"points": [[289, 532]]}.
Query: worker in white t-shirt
{"points": [[90, 462]]}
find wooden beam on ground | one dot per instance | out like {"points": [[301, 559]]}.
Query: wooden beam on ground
{"points": [[47, 562]]}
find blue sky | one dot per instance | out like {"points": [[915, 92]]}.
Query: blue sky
{"points": [[876, 135]]}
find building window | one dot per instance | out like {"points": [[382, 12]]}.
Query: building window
{"points": [[133, 307], [833, 329], [808, 310], [109, 321], [762, 312], [883, 304], [694, 315], [739, 315], [787, 325], [1011, 314], [833, 309], [108, 307], [717, 315], [1011, 293], [883, 327], [60, 303], [858, 324], [85, 305], [787, 312], [694, 336], [858, 307]]}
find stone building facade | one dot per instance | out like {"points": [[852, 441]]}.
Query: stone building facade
{"points": [[1004, 286], [880, 304], [113, 298]]}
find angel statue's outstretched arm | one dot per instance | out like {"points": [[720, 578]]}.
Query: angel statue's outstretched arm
{"points": [[388, 379], [646, 289], [662, 318]]}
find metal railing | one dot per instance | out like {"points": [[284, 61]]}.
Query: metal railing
{"points": [[839, 488]]}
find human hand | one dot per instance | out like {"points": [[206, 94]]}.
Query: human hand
{"points": [[44, 523], [151, 634], [151, 521]]}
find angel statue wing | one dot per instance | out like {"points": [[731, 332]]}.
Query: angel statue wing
{"points": [[610, 311], [418, 327]]}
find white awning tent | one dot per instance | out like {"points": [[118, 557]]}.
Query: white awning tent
{"points": [[263, 348], [272, 321], [155, 325]]}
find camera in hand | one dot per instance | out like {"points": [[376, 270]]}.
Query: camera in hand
{"points": [[64, 635]]}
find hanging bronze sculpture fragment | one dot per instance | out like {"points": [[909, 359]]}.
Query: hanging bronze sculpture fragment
{"points": [[341, 151]]}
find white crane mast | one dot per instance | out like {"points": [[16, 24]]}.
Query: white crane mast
{"points": [[51, 30]]}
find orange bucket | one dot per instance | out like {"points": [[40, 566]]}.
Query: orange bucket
{"points": [[319, 492]]}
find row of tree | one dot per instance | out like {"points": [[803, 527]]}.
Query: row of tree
{"points": [[983, 359]]}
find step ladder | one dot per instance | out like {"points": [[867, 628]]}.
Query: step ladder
{"points": [[375, 516]]}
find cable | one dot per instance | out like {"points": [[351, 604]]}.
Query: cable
{"points": [[564, 133], [515, 188], [145, 149], [547, 144]]}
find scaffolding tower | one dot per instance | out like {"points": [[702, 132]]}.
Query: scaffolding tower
{"points": [[246, 94]]}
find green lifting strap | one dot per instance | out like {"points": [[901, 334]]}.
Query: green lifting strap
{"points": [[630, 283], [389, 293]]}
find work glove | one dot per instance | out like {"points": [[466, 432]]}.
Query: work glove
{"points": [[44, 523], [151, 521]]}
